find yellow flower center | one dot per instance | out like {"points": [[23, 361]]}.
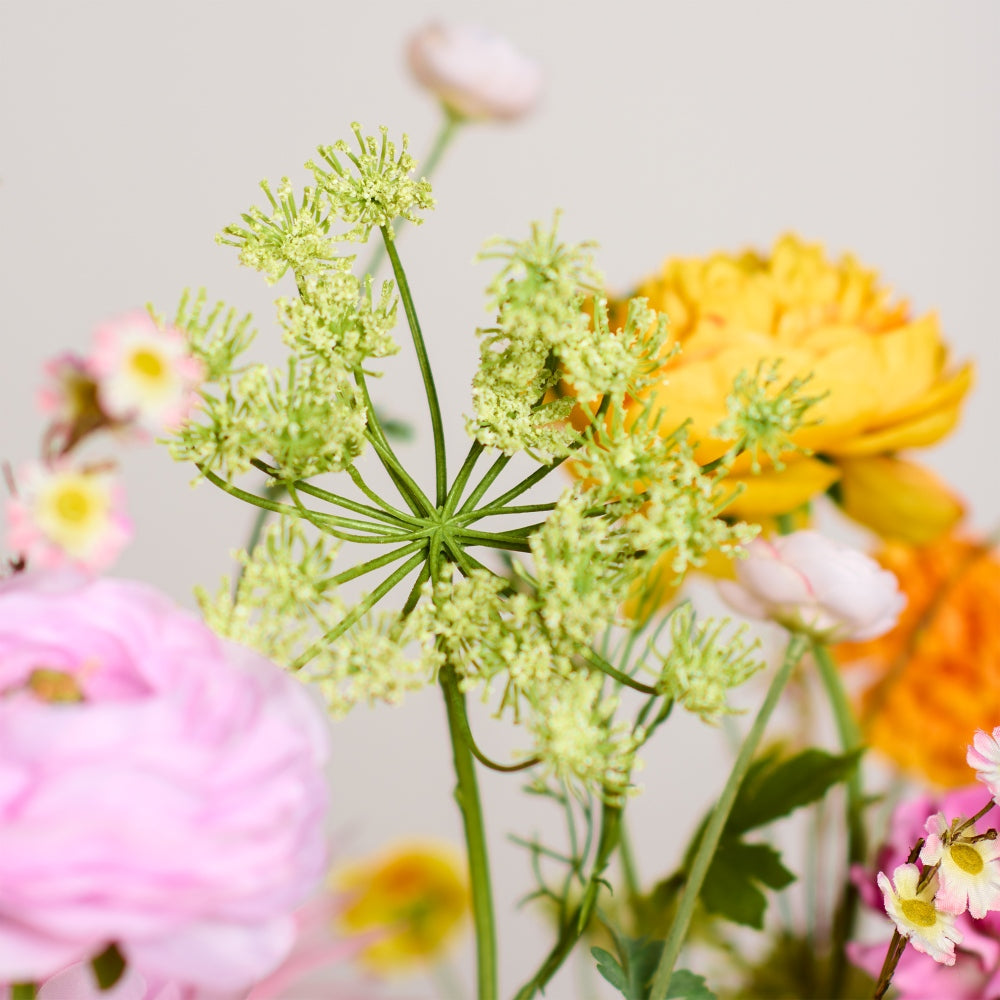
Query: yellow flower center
{"points": [[73, 504], [967, 858], [919, 912], [147, 363], [53, 685]]}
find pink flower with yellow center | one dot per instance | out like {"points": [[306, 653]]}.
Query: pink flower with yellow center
{"points": [[145, 375], [67, 515]]}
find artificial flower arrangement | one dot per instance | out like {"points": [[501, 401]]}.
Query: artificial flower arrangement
{"points": [[162, 785]]}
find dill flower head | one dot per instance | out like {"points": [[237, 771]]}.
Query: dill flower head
{"points": [[883, 375], [936, 675]]}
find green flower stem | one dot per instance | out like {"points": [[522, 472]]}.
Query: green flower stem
{"points": [[491, 511], [713, 830], [630, 872], [358, 611], [377, 563], [462, 479], [323, 522], [391, 511], [378, 533], [615, 674], [411, 493], [850, 739], [510, 542], [437, 426], [23, 991], [397, 519], [522, 487], [414, 596], [271, 492], [467, 797], [485, 483], [447, 132], [575, 926]]}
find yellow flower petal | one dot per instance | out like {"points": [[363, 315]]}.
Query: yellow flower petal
{"points": [[773, 492], [897, 499]]}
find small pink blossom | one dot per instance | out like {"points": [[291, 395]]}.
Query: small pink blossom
{"points": [[810, 583], [160, 788], [144, 374], [984, 758], [475, 73], [65, 515]]}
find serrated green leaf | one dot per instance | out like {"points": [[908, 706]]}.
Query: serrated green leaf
{"points": [[731, 889], [774, 788], [608, 967], [686, 985]]}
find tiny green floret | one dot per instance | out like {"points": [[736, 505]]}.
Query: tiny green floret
{"points": [[378, 190]]}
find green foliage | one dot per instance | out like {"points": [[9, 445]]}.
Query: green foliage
{"points": [[633, 971], [730, 888]]}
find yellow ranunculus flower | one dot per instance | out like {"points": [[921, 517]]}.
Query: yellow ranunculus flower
{"points": [[885, 374], [415, 894]]}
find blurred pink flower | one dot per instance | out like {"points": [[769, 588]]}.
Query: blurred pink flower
{"points": [[976, 973], [144, 374], [160, 788], [810, 583], [474, 73], [65, 515]]}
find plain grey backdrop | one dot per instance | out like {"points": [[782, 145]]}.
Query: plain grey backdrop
{"points": [[131, 133]]}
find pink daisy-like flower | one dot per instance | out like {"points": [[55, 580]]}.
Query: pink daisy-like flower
{"points": [[969, 875], [984, 758], [68, 516], [144, 374]]}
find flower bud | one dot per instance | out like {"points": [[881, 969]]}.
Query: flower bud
{"points": [[475, 74], [812, 584]]}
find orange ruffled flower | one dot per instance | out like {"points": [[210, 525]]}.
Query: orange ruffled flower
{"points": [[885, 373], [415, 893], [938, 671]]}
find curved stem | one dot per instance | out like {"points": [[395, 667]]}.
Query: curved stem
{"points": [[850, 739], [528, 508], [396, 515], [467, 797], [437, 426], [512, 543], [615, 674], [357, 612], [716, 823], [377, 563], [574, 927], [485, 483], [525, 484], [455, 493]]}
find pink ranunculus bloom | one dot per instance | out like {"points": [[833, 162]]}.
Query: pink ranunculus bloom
{"points": [[474, 73], [810, 583], [66, 515], [976, 972], [160, 788], [145, 375]]}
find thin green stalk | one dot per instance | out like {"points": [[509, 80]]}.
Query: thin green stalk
{"points": [[485, 483], [630, 872], [271, 492], [414, 596], [357, 612], [615, 674], [462, 479], [377, 563], [850, 739], [396, 515], [574, 927], [524, 485], [396, 519], [528, 508], [509, 542], [467, 797], [323, 522], [713, 830], [437, 426]]}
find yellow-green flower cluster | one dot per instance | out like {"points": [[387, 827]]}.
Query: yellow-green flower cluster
{"points": [[705, 660]]}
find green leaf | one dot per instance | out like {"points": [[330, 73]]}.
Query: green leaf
{"points": [[730, 888], [633, 975], [608, 967], [686, 985], [773, 787]]}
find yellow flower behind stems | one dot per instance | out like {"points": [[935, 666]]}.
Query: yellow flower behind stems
{"points": [[886, 377], [416, 893]]}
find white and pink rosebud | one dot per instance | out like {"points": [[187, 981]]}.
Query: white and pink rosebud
{"points": [[474, 73], [145, 375], [810, 583], [67, 516]]}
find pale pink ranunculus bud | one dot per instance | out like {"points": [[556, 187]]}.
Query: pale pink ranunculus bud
{"points": [[475, 73], [810, 583], [160, 788]]}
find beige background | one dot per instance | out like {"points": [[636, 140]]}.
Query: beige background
{"points": [[132, 132]]}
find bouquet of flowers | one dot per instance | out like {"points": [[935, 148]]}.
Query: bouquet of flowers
{"points": [[163, 776]]}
